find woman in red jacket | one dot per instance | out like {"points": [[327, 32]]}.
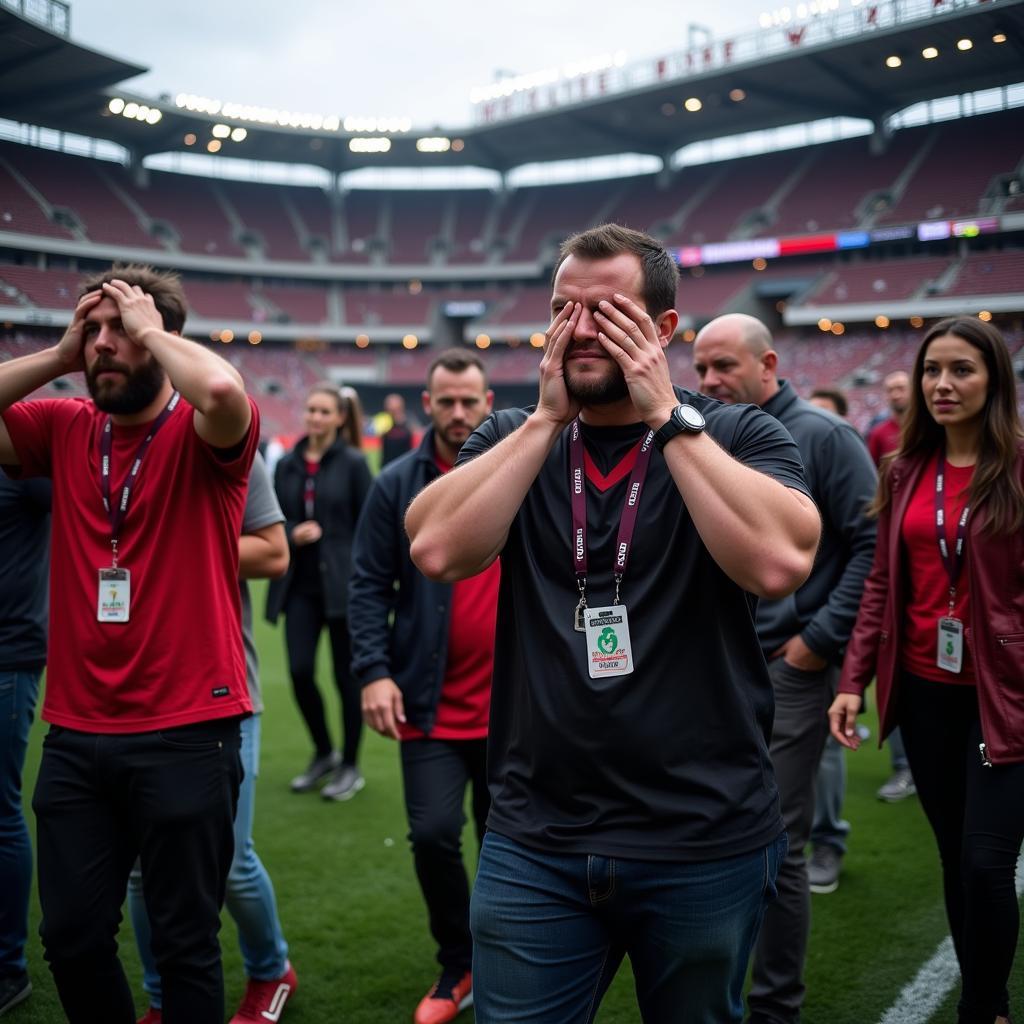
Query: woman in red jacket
{"points": [[941, 622]]}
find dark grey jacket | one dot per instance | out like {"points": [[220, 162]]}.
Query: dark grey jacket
{"points": [[397, 618], [842, 481], [341, 488]]}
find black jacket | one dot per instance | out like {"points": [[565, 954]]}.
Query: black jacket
{"points": [[342, 484], [398, 631], [842, 481]]}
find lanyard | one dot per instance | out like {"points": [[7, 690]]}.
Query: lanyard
{"points": [[953, 561], [117, 512], [309, 494], [627, 524]]}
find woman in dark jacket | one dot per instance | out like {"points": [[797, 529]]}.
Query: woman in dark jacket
{"points": [[321, 485], [941, 622]]}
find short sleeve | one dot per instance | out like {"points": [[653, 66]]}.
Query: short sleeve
{"points": [[495, 428], [31, 427], [236, 462], [761, 442], [261, 505]]}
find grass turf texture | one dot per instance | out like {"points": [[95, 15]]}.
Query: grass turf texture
{"points": [[356, 923]]}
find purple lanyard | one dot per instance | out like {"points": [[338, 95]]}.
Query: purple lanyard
{"points": [[631, 506], [953, 561], [117, 513], [309, 494]]}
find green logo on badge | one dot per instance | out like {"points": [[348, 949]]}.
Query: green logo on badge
{"points": [[607, 642], [949, 648]]}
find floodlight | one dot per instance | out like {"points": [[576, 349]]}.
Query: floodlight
{"points": [[964, 44], [929, 53], [893, 61], [116, 105], [238, 134]]}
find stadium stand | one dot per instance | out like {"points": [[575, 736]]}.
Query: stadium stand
{"points": [[990, 273], [871, 280], [263, 214]]}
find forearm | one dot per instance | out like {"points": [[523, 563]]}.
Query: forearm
{"points": [[762, 534], [205, 380], [459, 524], [20, 377], [263, 554]]}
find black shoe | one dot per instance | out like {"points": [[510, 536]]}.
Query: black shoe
{"points": [[14, 989], [319, 769], [823, 869]]}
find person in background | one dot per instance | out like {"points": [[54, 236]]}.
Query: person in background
{"points": [[941, 626], [322, 485], [250, 899], [883, 438], [398, 438], [24, 572], [424, 653], [802, 636], [831, 399]]}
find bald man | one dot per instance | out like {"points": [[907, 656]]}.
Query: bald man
{"points": [[802, 636]]}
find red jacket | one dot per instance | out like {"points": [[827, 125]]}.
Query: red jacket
{"points": [[994, 632]]}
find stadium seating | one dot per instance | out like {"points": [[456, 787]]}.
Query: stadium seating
{"points": [[990, 273], [46, 289], [874, 280], [262, 212]]}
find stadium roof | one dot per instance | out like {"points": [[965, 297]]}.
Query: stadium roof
{"points": [[834, 66]]}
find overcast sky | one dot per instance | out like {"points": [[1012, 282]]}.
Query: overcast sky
{"points": [[389, 58]]}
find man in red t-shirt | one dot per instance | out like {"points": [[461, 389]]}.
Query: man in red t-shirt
{"points": [[884, 437], [424, 652], [146, 674]]}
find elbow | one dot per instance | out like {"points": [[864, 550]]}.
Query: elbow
{"points": [[224, 395], [431, 560], [784, 576], [278, 565]]}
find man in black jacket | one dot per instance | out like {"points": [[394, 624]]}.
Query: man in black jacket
{"points": [[423, 652], [802, 635]]}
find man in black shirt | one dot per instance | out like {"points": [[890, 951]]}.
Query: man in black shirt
{"points": [[24, 574], [634, 809], [803, 636]]}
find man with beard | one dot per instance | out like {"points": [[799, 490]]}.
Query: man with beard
{"points": [[424, 652], [146, 675], [804, 636], [634, 811]]}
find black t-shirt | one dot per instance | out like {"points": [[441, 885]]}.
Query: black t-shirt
{"points": [[670, 762]]}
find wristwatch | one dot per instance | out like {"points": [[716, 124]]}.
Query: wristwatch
{"points": [[684, 420]]}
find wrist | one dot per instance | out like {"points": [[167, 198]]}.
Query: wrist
{"points": [[545, 425], [661, 414]]}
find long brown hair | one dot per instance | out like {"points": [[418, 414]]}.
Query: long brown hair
{"points": [[995, 483]]}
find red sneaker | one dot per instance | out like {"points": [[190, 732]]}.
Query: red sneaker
{"points": [[264, 1000], [153, 1015], [451, 995]]}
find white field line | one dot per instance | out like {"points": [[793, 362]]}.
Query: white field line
{"points": [[921, 997]]}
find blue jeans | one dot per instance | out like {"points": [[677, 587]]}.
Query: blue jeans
{"points": [[830, 828], [18, 693], [550, 930], [250, 894]]}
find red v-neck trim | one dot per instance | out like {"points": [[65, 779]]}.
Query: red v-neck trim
{"points": [[618, 472]]}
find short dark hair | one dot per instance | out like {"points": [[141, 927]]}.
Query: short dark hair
{"points": [[163, 285], [835, 396], [456, 360], [660, 273]]}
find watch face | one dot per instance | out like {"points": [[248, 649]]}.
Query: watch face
{"points": [[690, 417]]}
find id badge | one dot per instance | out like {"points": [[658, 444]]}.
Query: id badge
{"points": [[950, 655], [115, 591], [609, 652]]}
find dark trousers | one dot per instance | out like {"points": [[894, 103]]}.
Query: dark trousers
{"points": [[435, 774], [977, 815], [102, 800], [798, 738], [303, 623]]}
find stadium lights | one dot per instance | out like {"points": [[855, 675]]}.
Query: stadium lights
{"points": [[999, 37], [838, 329], [929, 53], [190, 139], [362, 341], [964, 45], [371, 145], [227, 336], [759, 263], [259, 115], [238, 134], [221, 131], [985, 315], [917, 321], [255, 337], [213, 146], [434, 145], [134, 111], [377, 125], [689, 335], [537, 340], [458, 145], [893, 61], [737, 95], [483, 341], [824, 324], [882, 321], [693, 104], [410, 341]]}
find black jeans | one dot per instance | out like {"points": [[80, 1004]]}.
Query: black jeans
{"points": [[304, 621], [169, 798], [435, 774], [977, 815], [798, 738]]}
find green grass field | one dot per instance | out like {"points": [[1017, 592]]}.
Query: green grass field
{"points": [[357, 927]]}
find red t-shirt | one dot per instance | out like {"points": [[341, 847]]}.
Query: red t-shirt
{"points": [[928, 589], [464, 706], [883, 439], [179, 658]]}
